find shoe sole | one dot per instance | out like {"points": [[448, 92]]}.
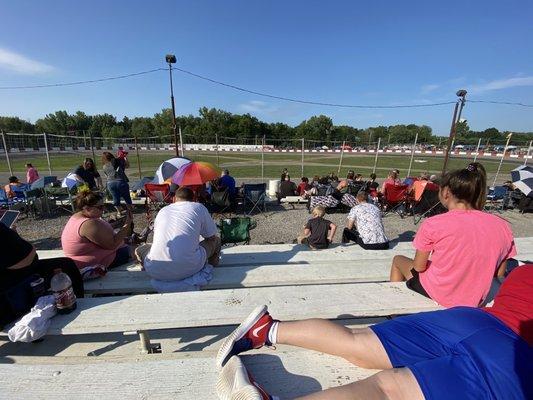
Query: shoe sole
{"points": [[238, 333], [226, 380]]}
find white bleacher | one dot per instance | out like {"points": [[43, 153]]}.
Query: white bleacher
{"points": [[283, 373], [230, 306]]}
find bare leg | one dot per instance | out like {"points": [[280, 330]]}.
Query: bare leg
{"points": [[359, 346], [398, 383], [401, 269]]}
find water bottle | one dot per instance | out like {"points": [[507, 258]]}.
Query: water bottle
{"points": [[64, 295]]}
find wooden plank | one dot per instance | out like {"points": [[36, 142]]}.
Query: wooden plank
{"points": [[294, 199], [230, 306], [122, 282], [282, 373]]}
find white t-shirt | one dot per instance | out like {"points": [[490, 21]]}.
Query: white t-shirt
{"points": [[367, 217], [176, 253]]}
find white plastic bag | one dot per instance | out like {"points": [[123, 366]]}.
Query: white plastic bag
{"points": [[35, 324]]}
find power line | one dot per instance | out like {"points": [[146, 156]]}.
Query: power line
{"points": [[316, 103], [500, 102], [112, 78], [254, 92]]}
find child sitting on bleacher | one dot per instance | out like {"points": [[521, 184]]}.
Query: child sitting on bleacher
{"points": [[318, 232], [459, 252]]}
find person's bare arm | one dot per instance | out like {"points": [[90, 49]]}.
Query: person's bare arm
{"points": [[99, 182], [307, 232], [500, 272], [420, 263], [350, 224], [332, 230], [101, 233]]}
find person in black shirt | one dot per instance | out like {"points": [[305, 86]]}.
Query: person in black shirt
{"points": [[318, 232], [19, 262], [88, 174], [286, 188]]}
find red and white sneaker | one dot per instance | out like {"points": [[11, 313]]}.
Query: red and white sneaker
{"points": [[252, 333], [236, 383]]}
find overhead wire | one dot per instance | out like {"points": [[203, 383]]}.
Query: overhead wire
{"points": [[257, 93]]}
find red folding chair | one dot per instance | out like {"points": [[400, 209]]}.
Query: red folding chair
{"points": [[157, 195], [395, 199]]}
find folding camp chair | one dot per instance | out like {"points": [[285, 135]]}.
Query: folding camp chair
{"points": [[157, 195], [254, 194], [496, 198], [236, 230], [220, 202], [395, 199], [428, 204]]}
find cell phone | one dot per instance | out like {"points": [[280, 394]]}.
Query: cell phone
{"points": [[9, 217]]}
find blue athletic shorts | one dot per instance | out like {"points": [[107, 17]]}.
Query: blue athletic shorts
{"points": [[460, 353]]}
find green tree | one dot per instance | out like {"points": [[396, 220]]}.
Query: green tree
{"points": [[142, 127], [16, 125], [100, 123]]}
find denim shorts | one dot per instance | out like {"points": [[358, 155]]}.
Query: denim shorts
{"points": [[119, 189]]}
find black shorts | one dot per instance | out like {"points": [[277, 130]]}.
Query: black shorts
{"points": [[415, 285]]}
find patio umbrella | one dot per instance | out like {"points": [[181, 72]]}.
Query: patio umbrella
{"points": [[70, 181], [168, 168], [522, 178], [195, 173]]}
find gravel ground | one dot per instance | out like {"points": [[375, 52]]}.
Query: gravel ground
{"points": [[280, 224]]}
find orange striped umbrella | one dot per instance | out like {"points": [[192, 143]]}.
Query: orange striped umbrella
{"points": [[195, 173]]}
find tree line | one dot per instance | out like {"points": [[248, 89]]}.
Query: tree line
{"points": [[238, 128]]}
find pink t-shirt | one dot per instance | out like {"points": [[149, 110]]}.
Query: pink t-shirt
{"points": [[467, 246], [31, 175], [82, 251]]}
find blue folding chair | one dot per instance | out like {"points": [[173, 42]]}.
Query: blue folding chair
{"points": [[496, 198]]}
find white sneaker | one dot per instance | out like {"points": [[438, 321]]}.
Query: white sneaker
{"points": [[235, 383]]}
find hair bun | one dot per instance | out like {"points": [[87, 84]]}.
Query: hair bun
{"points": [[471, 167]]}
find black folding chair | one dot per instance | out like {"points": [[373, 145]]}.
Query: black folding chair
{"points": [[254, 195], [428, 205]]}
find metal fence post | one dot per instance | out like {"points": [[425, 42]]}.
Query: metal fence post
{"points": [[7, 153], [303, 148], [376, 158], [477, 149], [501, 160], [263, 160], [47, 153], [216, 147], [340, 160], [412, 155], [528, 151]]}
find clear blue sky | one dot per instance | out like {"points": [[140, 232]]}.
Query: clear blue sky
{"points": [[380, 52]]}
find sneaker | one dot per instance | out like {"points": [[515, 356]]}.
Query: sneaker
{"points": [[252, 333], [235, 383]]}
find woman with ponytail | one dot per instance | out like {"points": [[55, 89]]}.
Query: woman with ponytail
{"points": [[458, 252]]}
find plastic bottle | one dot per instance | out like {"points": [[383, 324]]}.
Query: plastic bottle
{"points": [[61, 285]]}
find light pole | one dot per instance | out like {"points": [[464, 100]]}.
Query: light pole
{"points": [[171, 59], [458, 106]]}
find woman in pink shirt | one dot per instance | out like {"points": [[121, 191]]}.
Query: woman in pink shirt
{"points": [[31, 174], [89, 240], [459, 252]]}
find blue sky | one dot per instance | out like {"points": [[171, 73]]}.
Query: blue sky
{"points": [[380, 52]]}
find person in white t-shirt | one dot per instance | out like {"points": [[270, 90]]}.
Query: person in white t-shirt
{"points": [[177, 252], [365, 226]]}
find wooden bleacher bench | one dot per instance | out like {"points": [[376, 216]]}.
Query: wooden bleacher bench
{"points": [[135, 281], [230, 306], [292, 200], [286, 373]]}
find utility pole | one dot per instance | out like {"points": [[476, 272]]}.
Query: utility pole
{"points": [[171, 59], [460, 102]]}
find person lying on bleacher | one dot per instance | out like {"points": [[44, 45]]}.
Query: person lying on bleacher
{"points": [[459, 353], [459, 252], [318, 232], [19, 267], [177, 260], [365, 225], [91, 241]]}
